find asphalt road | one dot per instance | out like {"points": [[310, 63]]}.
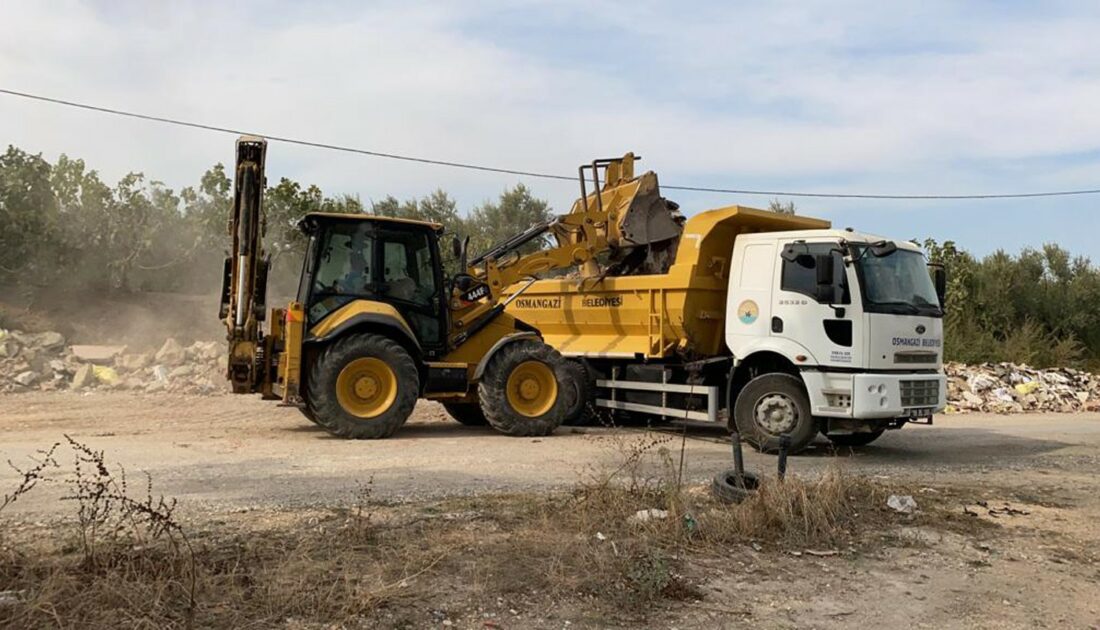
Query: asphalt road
{"points": [[226, 453]]}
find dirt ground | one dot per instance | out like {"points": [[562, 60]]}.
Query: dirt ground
{"points": [[236, 459]]}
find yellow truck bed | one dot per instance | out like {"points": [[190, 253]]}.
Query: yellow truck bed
{"points": [[652, 316]]}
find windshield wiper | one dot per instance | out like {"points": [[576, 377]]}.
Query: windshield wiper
{"points": [[909, 306]]}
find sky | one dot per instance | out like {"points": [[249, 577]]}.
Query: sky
{"points": [[856, 96]]}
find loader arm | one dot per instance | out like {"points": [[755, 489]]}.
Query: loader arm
{"points": [[244, 283], [625, 217]]}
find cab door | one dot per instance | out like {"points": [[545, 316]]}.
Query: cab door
{"points": [[816, 312], [411, 279]]}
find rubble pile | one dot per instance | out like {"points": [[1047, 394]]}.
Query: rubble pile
{"points": [[1011, 388], [45, 362]]}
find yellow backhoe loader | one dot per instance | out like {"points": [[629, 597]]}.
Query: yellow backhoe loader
{"points": [[377, 324]]}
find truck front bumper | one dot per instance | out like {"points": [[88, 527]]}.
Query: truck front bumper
{"points": [[873, 395]]}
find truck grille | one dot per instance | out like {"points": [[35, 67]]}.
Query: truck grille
{"points": [[922, 393], [915, 357]]}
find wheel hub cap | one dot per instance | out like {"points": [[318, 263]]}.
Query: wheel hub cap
{"points": [[532, 388], [776, 414], [366, 387]]}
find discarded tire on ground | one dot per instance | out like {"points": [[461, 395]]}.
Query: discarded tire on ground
{"points": [[730, 486], [519, 391], [363, 386], [469, 414]]}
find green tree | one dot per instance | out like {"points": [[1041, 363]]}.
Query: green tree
{"points": [[780, 207], [29, 216], [515, 211]]}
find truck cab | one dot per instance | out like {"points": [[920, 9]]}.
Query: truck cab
{"points": [[858, 316]]}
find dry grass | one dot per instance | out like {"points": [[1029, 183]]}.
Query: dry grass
{"points": [[368, 565]]}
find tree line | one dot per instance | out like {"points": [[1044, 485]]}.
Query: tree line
{"points": [[62, 226]]}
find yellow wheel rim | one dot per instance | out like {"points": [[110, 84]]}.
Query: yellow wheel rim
{"points": [[532, 388], [366, 387]]}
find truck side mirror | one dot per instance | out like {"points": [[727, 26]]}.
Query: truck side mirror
{"points": [[939, 278]]}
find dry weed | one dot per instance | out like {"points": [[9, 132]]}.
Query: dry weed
{"points": [[367, 565]]}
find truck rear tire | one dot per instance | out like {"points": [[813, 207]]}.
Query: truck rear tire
{"points": [[519, 391], [854, 439], [363, 386], [580, 390], [771, 405], [468, 414]]}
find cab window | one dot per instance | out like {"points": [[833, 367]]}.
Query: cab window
{"points": [[800, 274], [345, 257], [407, 270]]}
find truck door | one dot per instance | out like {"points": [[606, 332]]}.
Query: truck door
{"points": [[809, 313]]}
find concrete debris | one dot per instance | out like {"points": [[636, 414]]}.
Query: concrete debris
{"points": [[84, 377], [643, 516], [43, 362], [171, 353], [1012, 388], [100, 355], [902, 503]]}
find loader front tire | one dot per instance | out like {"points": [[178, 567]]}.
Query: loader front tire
{"points": [[771, 405], [519, 391], [468, 414], [363, 386]]}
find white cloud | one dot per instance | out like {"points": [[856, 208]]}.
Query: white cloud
{"points": [[834, 94]]}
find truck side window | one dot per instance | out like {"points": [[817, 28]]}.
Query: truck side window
{"points": [[800, 274]]}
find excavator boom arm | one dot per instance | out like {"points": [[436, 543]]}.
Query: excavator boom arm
{"points": [[245, 280]]}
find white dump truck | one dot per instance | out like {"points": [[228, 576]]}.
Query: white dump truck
{"points": [[778, 325]]}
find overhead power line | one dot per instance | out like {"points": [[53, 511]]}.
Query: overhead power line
{"points": [[510, 171]]}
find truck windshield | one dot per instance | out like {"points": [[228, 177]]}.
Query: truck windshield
{"points": [[897, 283]]}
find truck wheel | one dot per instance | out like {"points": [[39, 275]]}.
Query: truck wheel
{"points": [[854, 439], [579, 391], [363, 387], [771, 405], [519, 391], [468, 414]]}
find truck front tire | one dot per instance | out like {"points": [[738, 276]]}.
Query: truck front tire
{"points": [[771, 405], [519, 391], [363, 386]]}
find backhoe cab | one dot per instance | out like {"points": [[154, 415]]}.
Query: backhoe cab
{"points": [[377, 324]]}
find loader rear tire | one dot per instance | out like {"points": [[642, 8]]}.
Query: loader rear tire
{"points": [[468, 414], [580, 394], [771, 405], [363, 386], [519, 391], [308, 413]]}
